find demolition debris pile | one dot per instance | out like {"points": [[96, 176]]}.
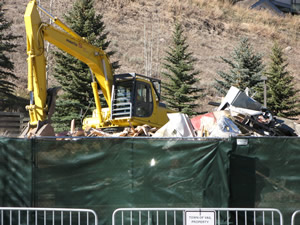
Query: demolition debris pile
{"points": [[237, 115], [241, 115]]}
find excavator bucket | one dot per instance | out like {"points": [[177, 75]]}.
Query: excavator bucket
{"points": [[43, 128], [40, 130]]}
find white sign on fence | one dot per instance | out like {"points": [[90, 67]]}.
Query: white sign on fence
{"points": [[200, 217]]}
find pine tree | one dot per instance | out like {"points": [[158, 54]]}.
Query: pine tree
{"points": [[281, 95], [73, 75], [7, 77], [180, 90], [246, 68]]}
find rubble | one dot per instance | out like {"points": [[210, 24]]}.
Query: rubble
{"points": [[179, 125], [144, 130], [252, 118], [237, 115], [225, 128], [240, 115]]}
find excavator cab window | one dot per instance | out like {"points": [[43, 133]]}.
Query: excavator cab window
{"points": [[143, 100], [157, 90], [124, 92]]}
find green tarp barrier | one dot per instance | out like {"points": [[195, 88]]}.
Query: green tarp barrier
{"points": [[104, 174], [273, 166], [15, 172]]}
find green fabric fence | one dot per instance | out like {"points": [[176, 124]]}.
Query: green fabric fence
{"points": [[104, 174]]}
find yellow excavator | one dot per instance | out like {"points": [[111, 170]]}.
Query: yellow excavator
{"points": [[132, 99]]}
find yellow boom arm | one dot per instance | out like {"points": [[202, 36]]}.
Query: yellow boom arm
{"points": [[68, 41]]}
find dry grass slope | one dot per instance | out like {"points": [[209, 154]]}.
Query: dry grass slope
{"points": [[141, 30]]}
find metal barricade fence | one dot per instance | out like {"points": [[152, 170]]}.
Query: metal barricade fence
{"points": [[197, 216], [295, 214], [47, 216]]}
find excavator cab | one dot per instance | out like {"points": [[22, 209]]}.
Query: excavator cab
{"points": [[133, 96], [135, 100]]}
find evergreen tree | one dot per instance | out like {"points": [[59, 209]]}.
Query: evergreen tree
{"points": [[7, 77], [73, 75], [180, 90], [281, 95], [246, 69]]}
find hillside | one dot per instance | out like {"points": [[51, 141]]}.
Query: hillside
{"points": [[140, 27]]}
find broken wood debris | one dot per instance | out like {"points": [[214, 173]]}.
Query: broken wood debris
{"points": [[144, 130]]}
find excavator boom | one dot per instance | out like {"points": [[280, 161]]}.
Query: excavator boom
{"points": [[67, 40]]}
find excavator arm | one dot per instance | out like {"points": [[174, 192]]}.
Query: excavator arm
{"points": [[67, 40]]}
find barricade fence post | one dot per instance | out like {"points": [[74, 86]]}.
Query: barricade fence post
{"points": [[47, 216], [197, 216], [295, 215]]}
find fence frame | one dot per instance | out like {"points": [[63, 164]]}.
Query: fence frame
{"points": [[45, 210], [218, 210], [294, 216]]}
